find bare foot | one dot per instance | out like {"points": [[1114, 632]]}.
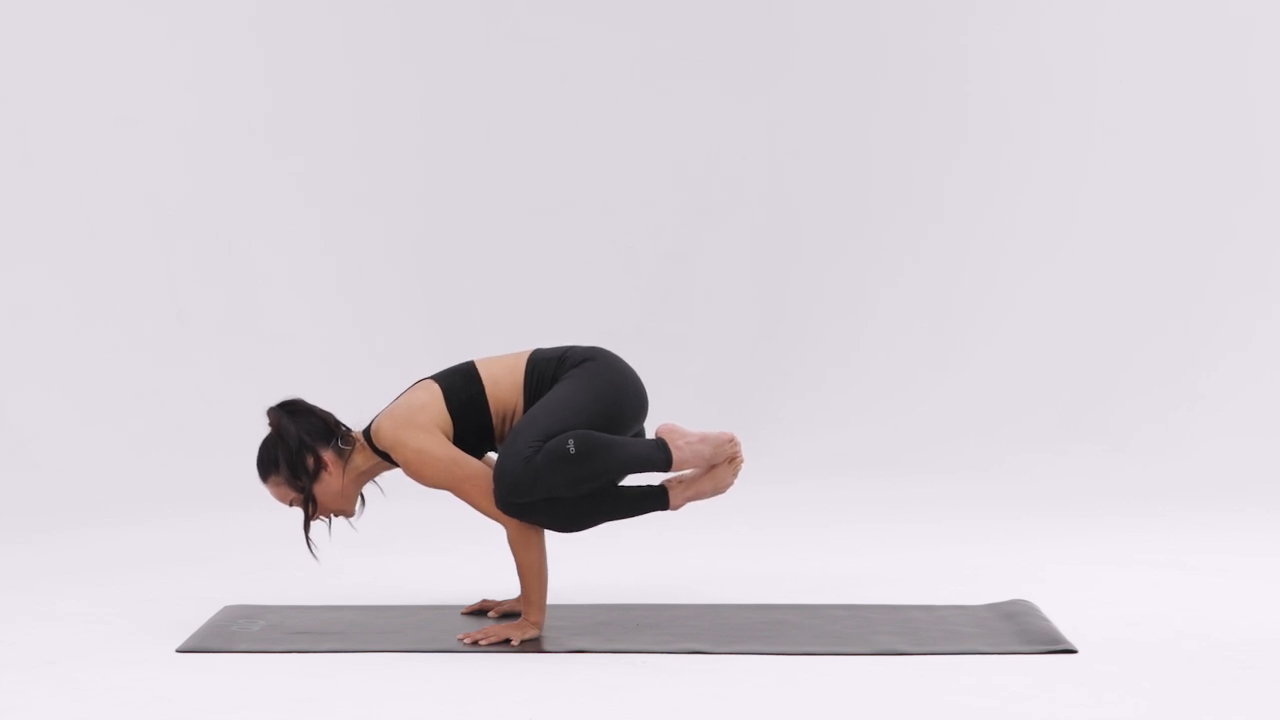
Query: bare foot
{"points": [[690, 450], [677, 486], [703, 483]]}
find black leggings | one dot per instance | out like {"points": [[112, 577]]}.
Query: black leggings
{"points": [[581, 434]]}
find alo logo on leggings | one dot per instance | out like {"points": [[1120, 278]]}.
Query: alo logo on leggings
{"points": [[571, 448]]}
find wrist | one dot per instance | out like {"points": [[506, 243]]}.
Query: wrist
{"points": [[536, 622]]}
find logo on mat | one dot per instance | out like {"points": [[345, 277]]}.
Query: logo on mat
{"points": [[245, 625], [571, 448]]}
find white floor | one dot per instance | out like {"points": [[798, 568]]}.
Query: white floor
{"points": [[1170, 601]]}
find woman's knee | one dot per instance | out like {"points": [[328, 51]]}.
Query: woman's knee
{"points": [[514, 506], [509, 507], [511, 479]]}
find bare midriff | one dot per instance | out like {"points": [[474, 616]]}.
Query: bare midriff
{"points": [[503, 377]]}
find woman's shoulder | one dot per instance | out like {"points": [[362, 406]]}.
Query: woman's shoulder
{"points": [[419, 409]]}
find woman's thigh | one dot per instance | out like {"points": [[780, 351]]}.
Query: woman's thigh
{"points": [[603, 393]]}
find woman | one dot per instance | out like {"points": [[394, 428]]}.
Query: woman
{"points": [[567, 425]]}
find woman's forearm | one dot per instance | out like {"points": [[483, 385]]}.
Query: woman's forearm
{"points": [[529, 548]]}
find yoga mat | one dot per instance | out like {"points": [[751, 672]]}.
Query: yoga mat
{"points": [[1009, 627]]}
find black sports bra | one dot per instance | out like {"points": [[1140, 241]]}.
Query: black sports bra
{"points": [[468, 406]]}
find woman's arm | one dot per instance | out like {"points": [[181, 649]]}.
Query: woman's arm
{"points": [[438, 464], [529, 548]]}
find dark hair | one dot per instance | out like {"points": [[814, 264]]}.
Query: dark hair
{"points": [[299, 432]]}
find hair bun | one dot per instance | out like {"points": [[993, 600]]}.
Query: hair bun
{"points": [[276, 417]]}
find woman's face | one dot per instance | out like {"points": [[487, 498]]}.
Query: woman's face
{"points": [[331, 500]]}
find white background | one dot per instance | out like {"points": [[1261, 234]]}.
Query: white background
{"points": [[986, 288]]}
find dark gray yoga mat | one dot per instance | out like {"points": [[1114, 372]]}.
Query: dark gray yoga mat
{"points": [[1009, 627]]}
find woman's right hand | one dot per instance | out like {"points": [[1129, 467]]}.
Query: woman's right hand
{"points": [[495, 608]]}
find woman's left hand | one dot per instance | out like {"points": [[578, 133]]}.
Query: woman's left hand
{"points": [[515, 632]]}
